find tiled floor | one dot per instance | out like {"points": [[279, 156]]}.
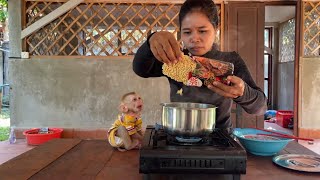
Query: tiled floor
{"points": [[315, 147], [274, 126]]}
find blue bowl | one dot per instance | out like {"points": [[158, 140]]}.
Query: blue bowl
{"points": [[260, 145]]}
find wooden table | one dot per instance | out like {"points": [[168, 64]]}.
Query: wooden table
{"points": [[76, 159]]}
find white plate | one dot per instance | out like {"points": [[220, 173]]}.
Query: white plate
{"points": [[306, 163]]}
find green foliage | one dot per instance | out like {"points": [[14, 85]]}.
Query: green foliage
{"points": [[6, 100], [5, 113], [4, 3], [3, 10], [3, 15], [4, 133]]}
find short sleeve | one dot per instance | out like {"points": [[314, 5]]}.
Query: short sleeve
{"points": [[129, 123], [139, 124]]}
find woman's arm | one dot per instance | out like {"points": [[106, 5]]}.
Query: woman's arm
{"points": [[160, 47], [253, 100], [145, 64]]}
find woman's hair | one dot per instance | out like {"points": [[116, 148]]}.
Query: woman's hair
{"points": [[207, 7]]}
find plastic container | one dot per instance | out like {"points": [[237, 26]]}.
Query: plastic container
{"points": [[266, 147], [35, 138], [283, 118]]}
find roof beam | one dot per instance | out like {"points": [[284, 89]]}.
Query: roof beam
{"points": [[50, 17]]}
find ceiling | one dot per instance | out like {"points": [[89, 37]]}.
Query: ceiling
{"points": [[279, 13]]}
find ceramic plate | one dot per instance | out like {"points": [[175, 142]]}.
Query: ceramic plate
{"points": [[306, 163]]}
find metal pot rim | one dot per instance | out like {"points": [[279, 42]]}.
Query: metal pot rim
{"points": [[172, 105]]}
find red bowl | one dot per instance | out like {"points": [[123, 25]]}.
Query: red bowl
{"points": [[33, 138]]}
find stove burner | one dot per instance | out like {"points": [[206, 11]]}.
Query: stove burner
{"points": [[188, 140], [216, 153], [216, 139], [183, 141]]}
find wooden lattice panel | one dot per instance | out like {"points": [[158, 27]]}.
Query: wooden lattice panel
{"points": [[98, 29], [35, 10], [311, 30]]}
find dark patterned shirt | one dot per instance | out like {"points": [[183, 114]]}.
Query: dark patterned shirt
{"points": [[253, 100]]}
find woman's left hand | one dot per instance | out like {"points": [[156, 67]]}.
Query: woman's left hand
{"points": [[235, 90]]}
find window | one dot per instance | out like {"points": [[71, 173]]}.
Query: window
{"points": [[287, 41], [268, 64]]}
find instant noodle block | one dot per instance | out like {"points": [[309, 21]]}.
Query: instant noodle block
{"points": [[180, 71]]}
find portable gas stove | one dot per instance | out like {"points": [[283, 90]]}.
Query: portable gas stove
{"points": [[217, 153]]}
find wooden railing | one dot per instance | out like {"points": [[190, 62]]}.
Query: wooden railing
{"points": [[311, 29], [98, 28]]}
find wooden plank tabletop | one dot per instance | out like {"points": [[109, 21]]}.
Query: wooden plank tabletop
{"points": [[84, 161], [96, 159], [32, 161]]}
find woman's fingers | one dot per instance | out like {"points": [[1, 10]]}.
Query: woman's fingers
{"points": [[217, 89], [176, 49], [168, 50], [165, 47], [162, 54], [155, 52], [235, 90], [238, 83]]}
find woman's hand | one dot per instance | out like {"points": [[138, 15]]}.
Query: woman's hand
{"points": [[235, 90], [165, 47]]}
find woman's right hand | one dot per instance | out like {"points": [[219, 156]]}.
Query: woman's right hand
{"points": [[165, 47]]}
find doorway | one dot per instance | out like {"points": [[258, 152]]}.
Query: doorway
{"points": [[279, 62]]}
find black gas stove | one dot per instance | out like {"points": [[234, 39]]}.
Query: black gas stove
{"points": [[216, 153]]}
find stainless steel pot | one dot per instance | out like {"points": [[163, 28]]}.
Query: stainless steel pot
{"points": [[188, 119]]}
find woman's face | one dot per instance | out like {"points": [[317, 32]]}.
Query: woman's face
{"points": [[197, 33]]}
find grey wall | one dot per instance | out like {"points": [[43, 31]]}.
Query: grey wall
{"points": [[310, 98], [285, 86], [78, 93], [14, 19]]}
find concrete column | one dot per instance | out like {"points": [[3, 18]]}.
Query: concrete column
{"points": [[15, 45]]}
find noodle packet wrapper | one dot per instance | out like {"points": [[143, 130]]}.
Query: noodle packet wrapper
{"points": [[209, 70]]}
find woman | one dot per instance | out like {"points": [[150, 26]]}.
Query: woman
{"points": [[198, 25]]}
